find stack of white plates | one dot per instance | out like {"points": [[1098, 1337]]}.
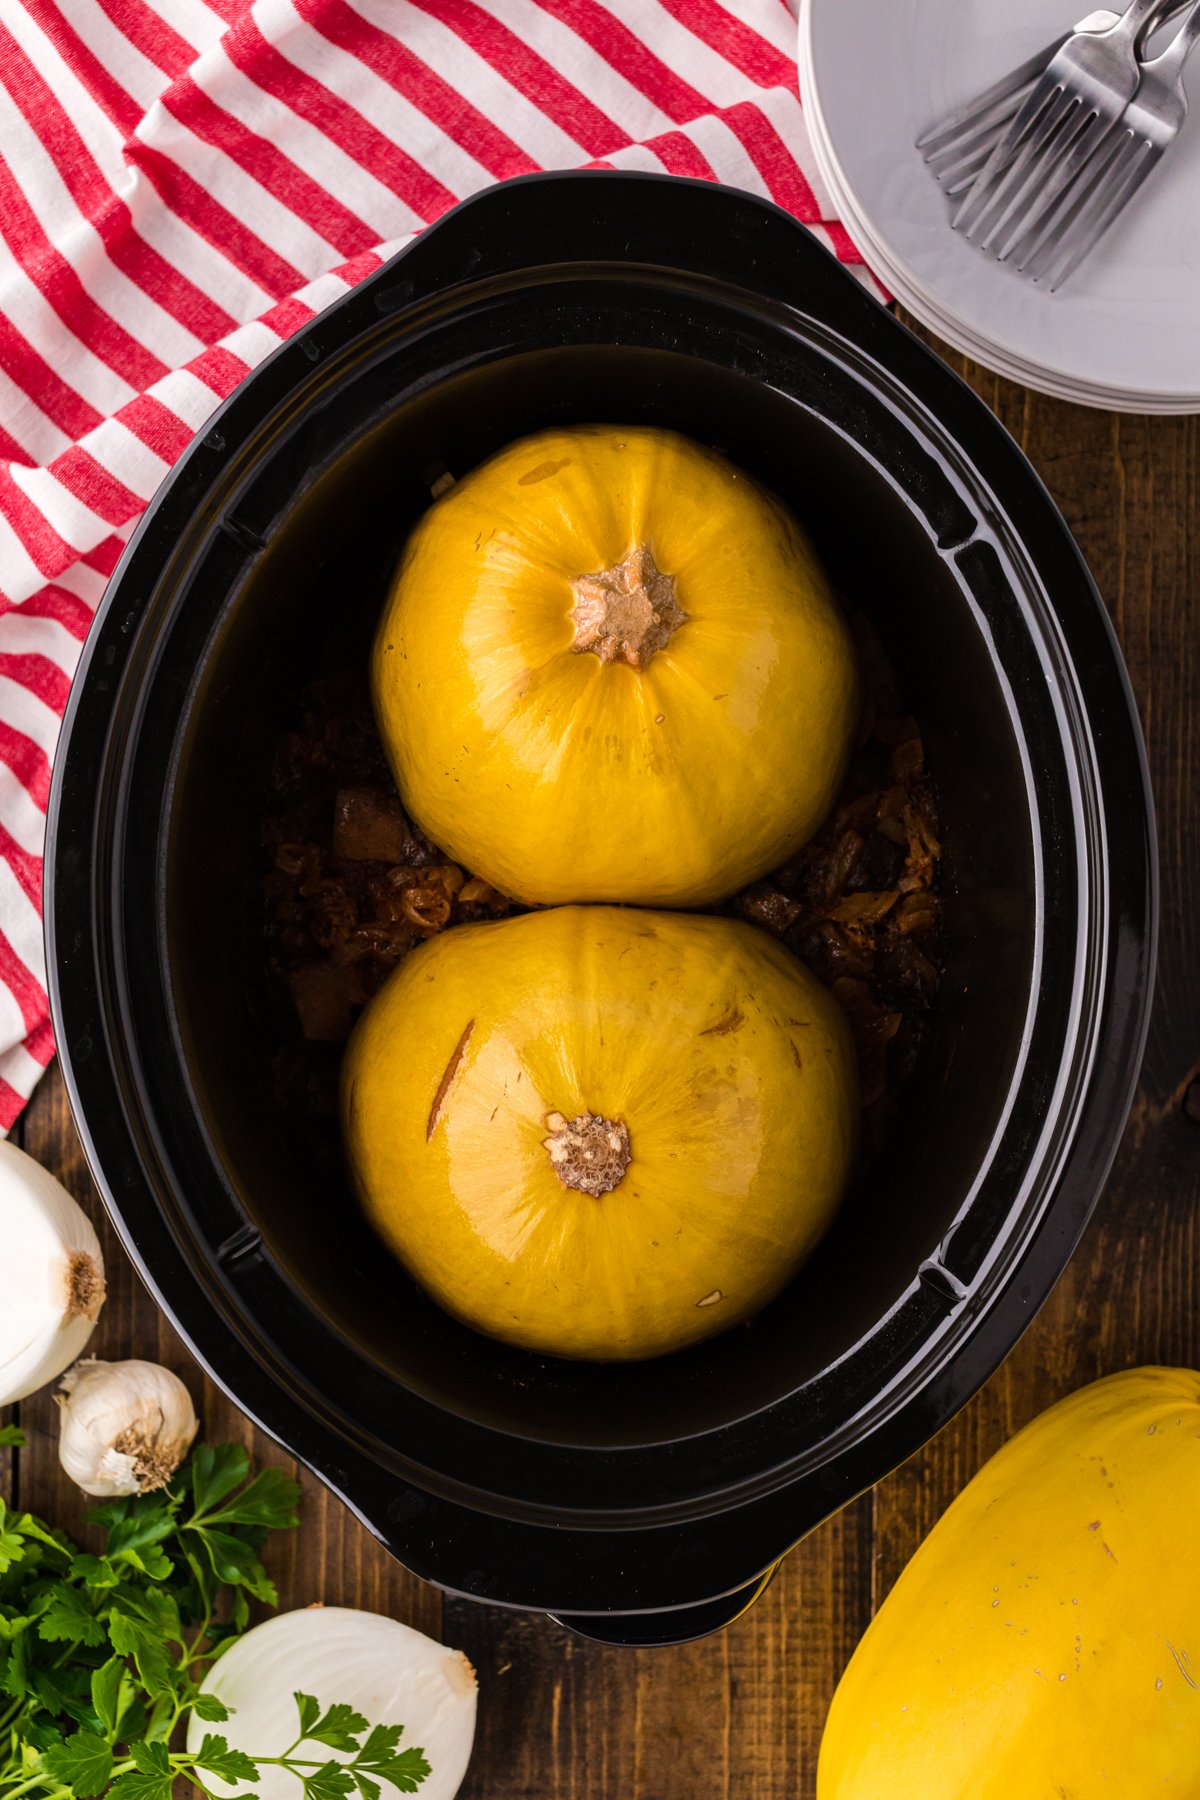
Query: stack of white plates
{"points": [[1124, 331]]}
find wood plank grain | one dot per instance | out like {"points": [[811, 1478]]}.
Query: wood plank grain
{"points": [[734, 1714]]}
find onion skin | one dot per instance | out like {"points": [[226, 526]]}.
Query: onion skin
{"points": [[390, 1673], [51, 1276]]}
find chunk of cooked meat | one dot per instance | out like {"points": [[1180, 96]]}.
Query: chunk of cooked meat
{"points": [[369, 826], [321, 995]]}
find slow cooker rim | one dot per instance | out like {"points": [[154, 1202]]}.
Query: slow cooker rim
{"points": [[931, 1271], [128, 563]]}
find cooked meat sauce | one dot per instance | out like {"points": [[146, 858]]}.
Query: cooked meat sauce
{"points": [[351, 886]]}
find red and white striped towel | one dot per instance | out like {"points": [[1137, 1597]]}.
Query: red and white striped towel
{"points": [[185, 182]]}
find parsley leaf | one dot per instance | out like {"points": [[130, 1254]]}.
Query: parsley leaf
{"points": [[94, 1571], [338, 1729], [217, 1758], [11, 1437], [151, 1758], [83, 1762], [216, 1471], [406, 1771], [15, 1679], [106, 1693], [70, 1620], [328, 1782], [309, 1710], [210, 1709], [41, 1737], [110, 1513], [380, 1744], [12, 1549], [136, 1786], [152, 1560], [130, 1637], [268, 1503], [160, 1609], [236, 1563], [134, 1536]]}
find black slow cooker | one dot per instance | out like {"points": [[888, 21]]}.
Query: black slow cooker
{"points": [[644, 1503]]}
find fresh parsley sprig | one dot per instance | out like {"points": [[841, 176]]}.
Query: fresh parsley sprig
{"points": [[102, 1655], [85, 1764]]}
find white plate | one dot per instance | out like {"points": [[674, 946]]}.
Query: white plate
{"points": [[1123, 332], [925, 308]]}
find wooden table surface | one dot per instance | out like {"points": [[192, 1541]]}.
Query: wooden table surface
{"points": [[741, 1713]]}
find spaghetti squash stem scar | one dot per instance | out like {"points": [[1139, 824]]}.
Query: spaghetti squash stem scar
{"points": [[590, 1153], [626, 613]]}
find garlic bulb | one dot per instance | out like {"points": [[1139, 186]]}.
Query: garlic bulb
{"points": [[390, 1673], [51, 1276], [124, 1428]]}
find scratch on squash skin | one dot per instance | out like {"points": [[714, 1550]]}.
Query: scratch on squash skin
{"points": [[732, 1019], [459, 1051], [542, 470]]}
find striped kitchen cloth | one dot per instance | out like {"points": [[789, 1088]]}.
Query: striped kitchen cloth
{"points": [[183, 183]]}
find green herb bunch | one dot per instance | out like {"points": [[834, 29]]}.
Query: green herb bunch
{"points": [[102, 1656]]}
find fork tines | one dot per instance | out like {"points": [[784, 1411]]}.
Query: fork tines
{"points": [[1071, 233], [1050, 139]]}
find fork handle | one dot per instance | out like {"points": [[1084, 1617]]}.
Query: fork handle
{"points": [[1171, 11], [1138, 16], [1171, 60]]}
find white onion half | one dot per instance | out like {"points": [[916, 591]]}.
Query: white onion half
{"points": [[51, 1276], [390, 1673]]}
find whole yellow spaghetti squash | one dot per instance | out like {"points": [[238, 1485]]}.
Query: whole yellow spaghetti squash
{"points": [[1044, 1641], [610, 669], [601, 1133]]}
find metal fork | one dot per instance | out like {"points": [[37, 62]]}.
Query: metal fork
{"points": [[1149, 127], [958, 146], [1073, 105]]}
